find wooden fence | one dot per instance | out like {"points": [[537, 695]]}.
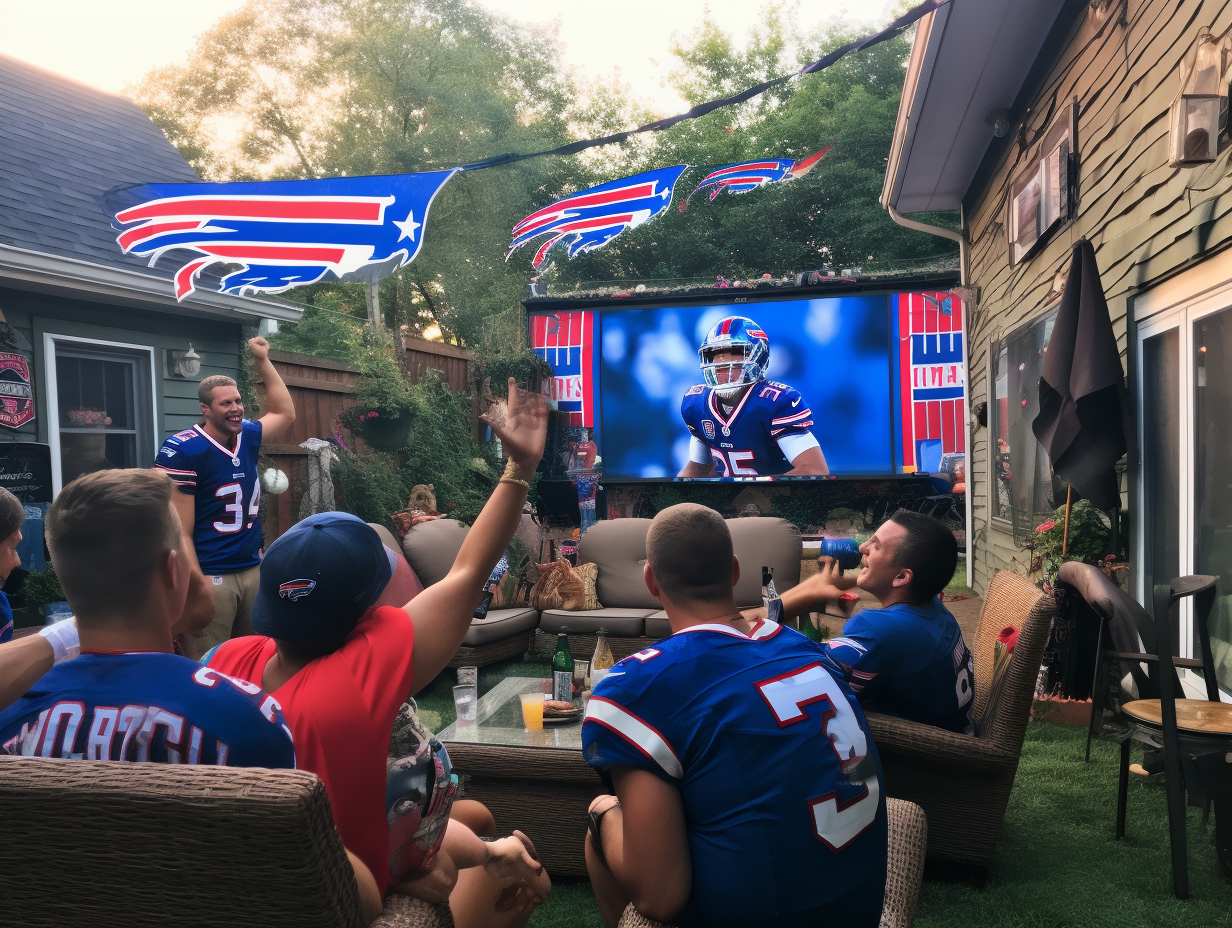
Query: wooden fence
{"points": [[321, 390]]}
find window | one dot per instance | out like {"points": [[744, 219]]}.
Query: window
{"points": [[103, 414], [1043, 195], [1024, 491]]}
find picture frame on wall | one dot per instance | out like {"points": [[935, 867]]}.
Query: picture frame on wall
{"points": [[1043, 195]]}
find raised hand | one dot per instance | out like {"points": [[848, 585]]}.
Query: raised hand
{"points": [[525, 428], [259, 348]]}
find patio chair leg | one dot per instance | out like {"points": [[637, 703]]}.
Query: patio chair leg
{"points": [[1122, 789]]}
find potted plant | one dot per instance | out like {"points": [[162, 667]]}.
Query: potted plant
{"points": [[384, 405]]}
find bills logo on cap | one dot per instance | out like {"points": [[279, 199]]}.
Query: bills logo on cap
{"points": [[708, 428], [296, 589]]}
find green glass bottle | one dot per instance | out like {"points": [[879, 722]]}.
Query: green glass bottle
{"points": [[807, 627], [562, 669]]}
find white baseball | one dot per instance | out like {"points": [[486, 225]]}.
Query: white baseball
{"points": [[274, 481]]}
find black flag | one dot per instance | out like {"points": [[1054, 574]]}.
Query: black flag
{"points": [[1083, 422]]}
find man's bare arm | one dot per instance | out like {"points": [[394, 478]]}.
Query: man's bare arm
{"points": [[279, 410], [442, 613], [22, 662], [810, 462], [646, 844], [693, 469], [199, 606], [812, 594]]}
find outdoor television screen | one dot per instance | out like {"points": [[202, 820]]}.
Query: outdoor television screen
{"points": [[850, 385]]}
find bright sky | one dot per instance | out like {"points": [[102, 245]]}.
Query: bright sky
{"points": [[110, 43]]}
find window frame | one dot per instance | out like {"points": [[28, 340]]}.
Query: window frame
{"points": [[103, 348]]}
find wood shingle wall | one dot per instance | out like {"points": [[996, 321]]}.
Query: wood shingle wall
{"points": [[1146, 220]]}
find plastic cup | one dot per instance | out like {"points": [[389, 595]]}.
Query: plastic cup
{"points": [[468, 676], [532, 711], [466, 704]]}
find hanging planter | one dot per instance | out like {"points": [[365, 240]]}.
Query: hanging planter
{"points": [[384, 432]]}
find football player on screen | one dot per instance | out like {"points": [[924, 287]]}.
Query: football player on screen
{"points": [[740, 424]]}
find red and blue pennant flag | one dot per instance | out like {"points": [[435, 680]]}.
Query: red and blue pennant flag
{"points": [[282, 234], [749, 175], [590, 219]]}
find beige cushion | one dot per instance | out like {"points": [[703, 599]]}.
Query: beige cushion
{"points": [[762, 541], [657, 625], [501, 624], [620, 623], [430, 548], [618, 547]]}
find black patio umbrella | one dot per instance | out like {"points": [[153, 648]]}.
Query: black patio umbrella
{"points": [[1084, 421]]}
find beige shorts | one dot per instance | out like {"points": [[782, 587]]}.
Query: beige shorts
{"points": [[234, 594]]}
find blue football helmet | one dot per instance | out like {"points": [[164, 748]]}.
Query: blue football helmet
{"points": [[735, 333]]}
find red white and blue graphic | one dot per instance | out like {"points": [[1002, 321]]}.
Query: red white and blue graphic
{"points": [[590, 219], [932, 379], [296, 589], [567, 342], [749, 175], [282, 234]]}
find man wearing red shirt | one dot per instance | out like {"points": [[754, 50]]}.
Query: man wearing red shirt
{"points": [[341, 665]]}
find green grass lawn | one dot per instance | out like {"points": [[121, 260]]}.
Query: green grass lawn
{"points": [[1056, 866]]}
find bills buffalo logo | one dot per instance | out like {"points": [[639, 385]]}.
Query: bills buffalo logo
{"points": [[16, 395], [708, 428], [296, 589]]}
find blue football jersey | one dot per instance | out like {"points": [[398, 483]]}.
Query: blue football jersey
{"points": [[6, 619], [780, 781], [745, 443], [226, 487], [909, 660], [147, 706]]}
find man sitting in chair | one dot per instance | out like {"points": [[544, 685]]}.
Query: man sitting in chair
{"points": [[748, 790], [907, 658]]}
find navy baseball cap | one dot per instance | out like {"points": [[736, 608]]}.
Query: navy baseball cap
{"points": [[319, 578]]}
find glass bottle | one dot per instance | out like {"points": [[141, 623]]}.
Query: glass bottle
{"points": [[562, 669], [602, 661], [767, 586], [807, 628]]}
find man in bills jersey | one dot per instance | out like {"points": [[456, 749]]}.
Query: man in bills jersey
{"points": [[748, 789], [214, 464], [118, 548], [740, 424]]}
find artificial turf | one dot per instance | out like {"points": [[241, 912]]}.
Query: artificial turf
{"points": [[1057, 864]]}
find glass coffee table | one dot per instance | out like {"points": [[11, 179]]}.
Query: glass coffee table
{"points": [[535, 781]]}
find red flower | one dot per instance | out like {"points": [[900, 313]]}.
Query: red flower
{"points": [[452, 505], [1045, 526]]}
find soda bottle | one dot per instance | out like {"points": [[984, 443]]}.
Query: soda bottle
{"points": [[562, 669], [767, 586], [602, 661], [844, 550]]}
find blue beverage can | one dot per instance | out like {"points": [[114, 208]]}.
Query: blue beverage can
{"points": [[844, 550]]}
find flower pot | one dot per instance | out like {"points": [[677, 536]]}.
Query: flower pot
{"points": [[387, 433]]}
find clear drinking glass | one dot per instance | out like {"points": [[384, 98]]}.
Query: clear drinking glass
{"points": [[468, 676], [466, 704], [532, 710]]}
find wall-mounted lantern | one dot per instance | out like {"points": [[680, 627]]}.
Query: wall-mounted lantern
{"points": [[1202, 102], [186, 364]]}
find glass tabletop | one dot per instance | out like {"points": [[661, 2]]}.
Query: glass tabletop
{"points": [[500, 722]]}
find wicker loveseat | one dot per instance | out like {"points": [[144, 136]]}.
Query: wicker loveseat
{"points": [[104, 843], [963, 782]]}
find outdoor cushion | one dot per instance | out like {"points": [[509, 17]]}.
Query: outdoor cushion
{"points": [[763, 541], [620, 622], [657, 625], [618, 548], [501, 624], [431, 547]]}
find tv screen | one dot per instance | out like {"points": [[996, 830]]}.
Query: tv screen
{"points": [[864, 384]]}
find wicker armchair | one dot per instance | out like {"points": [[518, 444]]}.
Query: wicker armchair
{"points": [[904, 869], [963, 782], [90, 843]]}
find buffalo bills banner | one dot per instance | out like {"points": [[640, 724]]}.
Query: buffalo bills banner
{"points": [[282, 234], [590, 219], [931, 376], [749, 175], [567, 342]]}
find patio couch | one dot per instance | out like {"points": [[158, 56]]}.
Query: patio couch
{"points": [[156, 845]]}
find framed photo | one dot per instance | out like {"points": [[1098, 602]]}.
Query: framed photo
{"points": [[1043, 195]]}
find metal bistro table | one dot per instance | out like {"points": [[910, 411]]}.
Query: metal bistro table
{"points": [[535, 781]]}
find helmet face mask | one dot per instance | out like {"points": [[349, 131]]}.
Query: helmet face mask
{"points": [[735, 333]]}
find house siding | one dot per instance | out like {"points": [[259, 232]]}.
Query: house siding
{"points": [[1146, 221]]}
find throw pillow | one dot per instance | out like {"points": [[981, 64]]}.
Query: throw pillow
{"points": [[560, 586], [590, 576]]}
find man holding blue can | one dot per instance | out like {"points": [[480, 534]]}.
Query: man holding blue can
{"points": [[907, 658]]}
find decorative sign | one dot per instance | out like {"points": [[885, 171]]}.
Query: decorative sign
{"points": [[749, 175], [25, 470], [932, 378], [589, 220], [16, 394], [567, 342], [282, 234]]}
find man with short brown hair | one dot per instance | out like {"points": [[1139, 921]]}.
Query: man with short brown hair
{"points": [[214, 464], [12, 517], [116, 541]]}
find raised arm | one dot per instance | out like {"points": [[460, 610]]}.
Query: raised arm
{"points": [[812, 594], [279, 411], [442, 613]]}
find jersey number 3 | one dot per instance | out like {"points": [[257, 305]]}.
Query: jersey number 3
{"points": [[235, 508], [836, 824]]}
